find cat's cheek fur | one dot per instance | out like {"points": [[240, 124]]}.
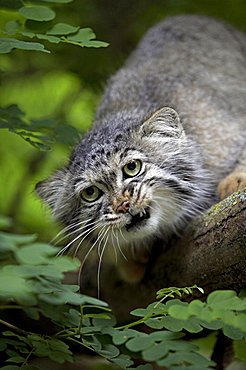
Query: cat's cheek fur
{"points": [[57, 192]]}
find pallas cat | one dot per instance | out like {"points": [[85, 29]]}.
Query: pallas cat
{"points": [[168, 141]]}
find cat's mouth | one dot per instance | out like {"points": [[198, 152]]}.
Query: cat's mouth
{"points": [[137, 219]]}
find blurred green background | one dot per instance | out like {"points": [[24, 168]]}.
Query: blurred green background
{"points": [[66, 86]]}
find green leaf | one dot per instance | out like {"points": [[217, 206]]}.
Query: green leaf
{"points": [[37, 13], [156, 352], [16, 359], [108, 330], [62, 264], [11, 118], [233, 333], [54, 348], [98, 316], [35, 254], [90, 329], [121, 336], [11, 111], [62, 29], [91, 300], [52, 39], [13, 26], [214, 325], [165, 335], [109, 351], [3, 344], [15, 287], [24, 271], [143, 367], [172, 323], [73, 317], [31, 312], [154, 323], [123, 361], [226, 300], [192, 325], [179, 345], [190, 358], [92, 340], [59, 345], [141, 312], [179, 312], [25, 134], [27, 34], [101, 322], [85, 37], [37, 145], [196, 307], [10, 242], [66, 134], [8, 44], [140, 343]]}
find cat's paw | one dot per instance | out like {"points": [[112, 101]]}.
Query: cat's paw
{"points": [[132, 272], [233, 182], [134, 268]]}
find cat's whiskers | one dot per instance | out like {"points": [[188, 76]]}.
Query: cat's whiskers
{"points": [[102, 233], [88, 232], [100, 262], [92, 247], [72, 226], [113, 244], [85, 233], [64, 230], [118, 243], [121, 233], [64, 249]]}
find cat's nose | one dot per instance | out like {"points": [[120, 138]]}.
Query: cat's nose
{"points": [[123, 207]]}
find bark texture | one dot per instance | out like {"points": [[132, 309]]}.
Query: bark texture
{"points": [[211, 254]]}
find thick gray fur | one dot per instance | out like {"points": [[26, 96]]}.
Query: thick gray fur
{"points": [[194, 65]]}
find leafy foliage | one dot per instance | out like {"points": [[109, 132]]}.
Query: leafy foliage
{"points": [[31, 19], [31, 281], [38, 132]]}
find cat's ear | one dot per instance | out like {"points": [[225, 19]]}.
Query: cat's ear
{"points": [[164, 122]]}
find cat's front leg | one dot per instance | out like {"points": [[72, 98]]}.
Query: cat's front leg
{"points": [[233, 182], [236, 180]]}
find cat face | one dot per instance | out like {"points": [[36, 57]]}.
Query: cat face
{"points": [[127, 188], [127, 197]]}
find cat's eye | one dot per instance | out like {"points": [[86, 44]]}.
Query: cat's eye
{"points": [[91, 194], [132, 168]]}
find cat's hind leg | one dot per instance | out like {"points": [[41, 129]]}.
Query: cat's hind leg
{"points": [[236, 180]]}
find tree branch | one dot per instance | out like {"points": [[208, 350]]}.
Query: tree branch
{"points": [[211, 254]]}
